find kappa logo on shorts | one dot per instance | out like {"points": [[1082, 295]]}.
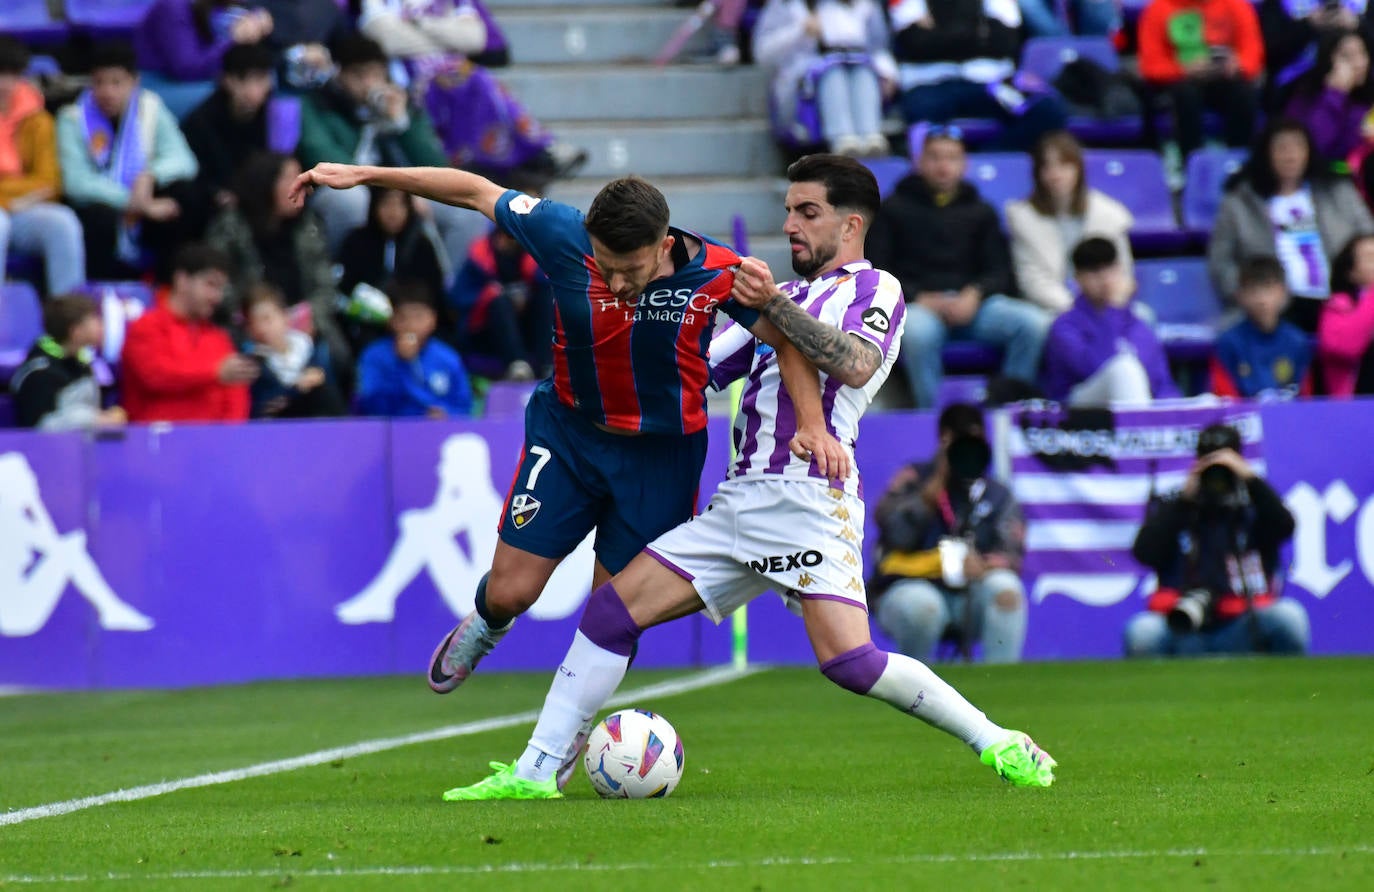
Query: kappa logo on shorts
{"points": [[841, 513], [876, 319], [848, 534], [805, 580], [523, 508], [850, 559], [855, 584]]}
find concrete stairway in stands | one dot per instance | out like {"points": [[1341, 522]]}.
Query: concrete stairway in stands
{"points": [[699, 131]]}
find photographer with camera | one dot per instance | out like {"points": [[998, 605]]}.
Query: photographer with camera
{"points": [[1215, 546], [950, 548]]}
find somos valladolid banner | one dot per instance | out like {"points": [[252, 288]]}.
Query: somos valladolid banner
{"points": [[170, 556]]}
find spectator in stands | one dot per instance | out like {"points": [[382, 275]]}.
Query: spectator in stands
{"points": [[957, 59], [1062, 210], [177, 365], [394, 244], [481, 126], [1204, 54], [944, 244], [1345, 330], [843, 45], [31, 220], [950, 545], [1215, 547], [1263, 356], [360, 117], [1284, 204], [302, 33], [506, 305], [413, 373], [297, 378], [185, 40], [232, 124], [1098, 18], [1333, 98], [1291, 31], [267, 238], [54, 389], [127, 171], [1099, 352]]}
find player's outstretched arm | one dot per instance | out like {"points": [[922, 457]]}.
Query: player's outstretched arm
{"points": [[813, 439], [444, 184], [849, 358]]}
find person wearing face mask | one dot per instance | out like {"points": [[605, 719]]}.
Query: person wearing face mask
{"points": [[951, 542]]}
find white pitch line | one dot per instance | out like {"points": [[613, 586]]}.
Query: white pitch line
{"points": [[727, 864], [709, 678]]}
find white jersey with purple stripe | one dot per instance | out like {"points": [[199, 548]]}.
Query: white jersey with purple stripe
{"points": [[856, 298]]}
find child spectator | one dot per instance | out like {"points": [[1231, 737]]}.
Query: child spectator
{"points": [[1099, 352], [412, 373], [1204, 54], [847, 41], [177, 364], [506, 306], [1262, 356], [1345, 329], [297, 379], [232, 124], [127, 171], [30, 218], [54, 389], [1061, 211], [1334, 97]]}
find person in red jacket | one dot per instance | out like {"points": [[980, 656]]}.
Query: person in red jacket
{"points": [[1205, 54], [179, 366]]}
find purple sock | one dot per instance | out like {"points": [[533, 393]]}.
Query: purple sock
{"points": [[607, 623], [856, 670]]}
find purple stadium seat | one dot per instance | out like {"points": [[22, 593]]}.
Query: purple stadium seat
{"points": [[21, 322], [1135, 177], [29, 22], [1045, 57], [888, 172], [962, 389], [284, 124], [970, 356], [1185, 304], [1207, 173], [107, 19], [1000, 177], [507, 399], [120, 304], [6, 410], [41, 66]]}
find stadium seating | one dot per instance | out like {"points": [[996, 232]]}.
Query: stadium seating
{"points": [[1000, 177], [1185, 304], [1045, 57], [107, 19], [1206, 176], [30, 22], [1135, 177], [21, 322], [888, 172]]}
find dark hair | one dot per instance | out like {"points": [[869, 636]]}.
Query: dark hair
{"points": [[375, 196], [62, 314], [14, 56], [628, 214], [246, 58], [355, 50], [1260, 270], [1215, 437], [1343, 269], [255, 188], [114, 55], [409, 291], [961, 419], [263, 293], [1314, 80], [1259, 169], [195, 258], [1063, 144], [1093, 254], [848, 184]]}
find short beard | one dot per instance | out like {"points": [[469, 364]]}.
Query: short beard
{"points": [[808, 269]]}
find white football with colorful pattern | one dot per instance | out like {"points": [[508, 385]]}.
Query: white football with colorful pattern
{"points": [[634, 754]]}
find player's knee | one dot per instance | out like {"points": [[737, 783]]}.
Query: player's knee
{"points": [[1007, 600], [511, 594], [857, 670]]}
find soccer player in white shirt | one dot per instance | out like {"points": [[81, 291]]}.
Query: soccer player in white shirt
{"points": [[779, 521]]}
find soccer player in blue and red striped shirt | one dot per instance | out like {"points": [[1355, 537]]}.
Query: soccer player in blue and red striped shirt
{"points": [[616, 438]]}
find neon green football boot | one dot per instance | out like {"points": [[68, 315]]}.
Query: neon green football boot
{"points": [[1019, 761], [503, 784]]}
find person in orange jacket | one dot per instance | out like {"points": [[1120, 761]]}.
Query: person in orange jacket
{"points": [[177, 365], [1204, 54]]}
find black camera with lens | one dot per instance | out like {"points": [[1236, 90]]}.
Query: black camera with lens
{"points": [[1190, 611]]}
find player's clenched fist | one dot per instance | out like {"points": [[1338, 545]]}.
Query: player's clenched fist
{"points": [[335, 176], [754, 285]]}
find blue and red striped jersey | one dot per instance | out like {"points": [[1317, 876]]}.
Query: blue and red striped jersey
{"points": [[633, 365]]}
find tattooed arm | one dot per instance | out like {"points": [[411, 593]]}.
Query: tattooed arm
{"points": [[840, 355]]}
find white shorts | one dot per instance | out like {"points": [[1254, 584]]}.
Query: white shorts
{"points": [[801, 539]]}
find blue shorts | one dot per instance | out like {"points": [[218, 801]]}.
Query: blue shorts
{"points": [[574, 477]]}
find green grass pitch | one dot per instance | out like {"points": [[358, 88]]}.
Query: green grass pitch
{"points": [[1242, 774]]}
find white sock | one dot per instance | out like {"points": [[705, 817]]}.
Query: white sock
{"points": [[910, 686], [586, 680]]}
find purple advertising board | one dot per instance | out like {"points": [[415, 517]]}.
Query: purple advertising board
{"points": [[199, 554]]}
